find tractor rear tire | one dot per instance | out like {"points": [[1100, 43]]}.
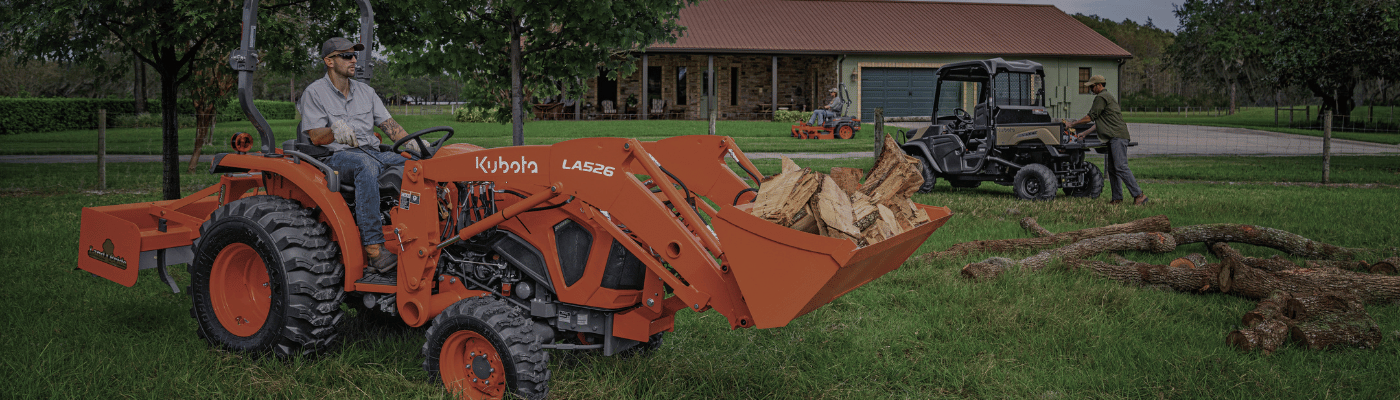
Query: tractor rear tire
{"points": [[845, 132], [930, 179], [266, 277], [1094, 181], [484, 347], [1035, 182]]}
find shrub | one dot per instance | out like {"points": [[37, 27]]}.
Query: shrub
{"points": [[791, 116], [474, 114], [22, 115]]}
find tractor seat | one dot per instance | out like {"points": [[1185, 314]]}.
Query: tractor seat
{"points": [[389, 182]]}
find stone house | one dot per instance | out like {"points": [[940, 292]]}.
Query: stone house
{"points": [[884, 53]]}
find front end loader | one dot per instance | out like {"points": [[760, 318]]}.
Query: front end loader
{"points": [[505, 254]]}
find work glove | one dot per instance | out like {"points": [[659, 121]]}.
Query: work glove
{"points": [[343, 134], [412, 147]]}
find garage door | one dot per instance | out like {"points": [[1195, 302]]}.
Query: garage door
{"points": [[903, 92]]}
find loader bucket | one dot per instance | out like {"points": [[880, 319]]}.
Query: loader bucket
{"points": [[784, 273]]}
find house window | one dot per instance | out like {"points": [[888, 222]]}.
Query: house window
{"points": [[653, 83], [680, 86], [1084, 74], [733, 86]]}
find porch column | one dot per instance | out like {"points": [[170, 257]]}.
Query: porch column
{"points": [[644, 106], [773, 106], [578, 103]]}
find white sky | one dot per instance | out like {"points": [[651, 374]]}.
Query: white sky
{"points": [[1137, 10]]}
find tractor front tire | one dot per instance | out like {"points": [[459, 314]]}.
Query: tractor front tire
{"points": [[1035, 182], [266, 277], [845, 132], [484, 347], [930, 178], [1093, 179]]}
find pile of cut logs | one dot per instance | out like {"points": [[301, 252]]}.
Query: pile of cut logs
{"points": [[839, 205], [1317, 304]]}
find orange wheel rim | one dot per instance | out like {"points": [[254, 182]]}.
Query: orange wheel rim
{"points": [[846, 132], [471, 367], [238, 290]]}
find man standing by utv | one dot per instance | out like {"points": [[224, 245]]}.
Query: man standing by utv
{"points": [[1108, 117], [827, 112], [339, 114]]}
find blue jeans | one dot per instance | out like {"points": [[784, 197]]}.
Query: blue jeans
{"points": [[819, 117], [364, 164], [1116, 162]]}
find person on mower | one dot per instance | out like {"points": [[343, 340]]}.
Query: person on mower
{"points": [[351, 110], [1108, 117], [827, 112]]}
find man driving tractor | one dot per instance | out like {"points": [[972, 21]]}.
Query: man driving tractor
{"points": [[339, 114], [827, 112]]}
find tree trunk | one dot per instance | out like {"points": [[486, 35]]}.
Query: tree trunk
{"points": [[517, 112], [1386, 266], [1030, 225], [1332, 319], [205, 114], [169, 125], [1327, 147], [1272, 264], [1233, 107], [1286, 242], [1158, 223], [138, 85], [1193, 260]]}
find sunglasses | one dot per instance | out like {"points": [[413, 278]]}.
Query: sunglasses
{"points": [[345, 56]]}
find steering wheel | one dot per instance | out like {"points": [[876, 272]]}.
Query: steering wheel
{"points": [[963, 117], [418, 136]]}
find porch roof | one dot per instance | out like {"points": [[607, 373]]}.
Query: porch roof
{"points": [[885, 27]]}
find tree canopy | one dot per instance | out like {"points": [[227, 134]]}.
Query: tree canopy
{"points": [[1327, 46], [504, 49], [168, 35]]}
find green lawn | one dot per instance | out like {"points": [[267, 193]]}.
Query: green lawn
{"points": [[756, 136], [1262, 118], [918, 332]]}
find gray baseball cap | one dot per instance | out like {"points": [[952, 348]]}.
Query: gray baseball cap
{"points": [[337, 44]]}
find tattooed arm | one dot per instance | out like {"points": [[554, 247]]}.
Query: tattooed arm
{"points": [[393, 129]]}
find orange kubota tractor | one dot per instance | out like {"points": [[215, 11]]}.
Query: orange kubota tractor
{"points": [[506, 254]]}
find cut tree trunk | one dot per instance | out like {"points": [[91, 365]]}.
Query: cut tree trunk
{"points": [[1286, 242], [1193, 260], [1253, 283], [1270, 308], [1158, 223], [1266, 336], [1030, 225], [1146, 241], [847, 178], [1272, 264], [1332, 319], [1191, 280], [1386, 266]]}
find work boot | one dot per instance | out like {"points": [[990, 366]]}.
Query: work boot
{"points": [[380, 260], [1140, 200]]}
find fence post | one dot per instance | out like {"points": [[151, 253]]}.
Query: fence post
{"points": [[714, 114], [102, 149], [1327, 147], [879, 131]]}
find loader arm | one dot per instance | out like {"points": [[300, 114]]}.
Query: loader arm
{"points": [[602, 175]]}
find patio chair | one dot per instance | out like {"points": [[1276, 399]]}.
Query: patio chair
{"points": [[609, 110], [658, 108]]}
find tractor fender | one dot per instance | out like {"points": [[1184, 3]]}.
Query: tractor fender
{"points": [[920, 149], [301, 181]]}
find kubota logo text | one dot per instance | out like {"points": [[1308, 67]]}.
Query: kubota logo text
{"points": [[502, 166], [585, 166]]}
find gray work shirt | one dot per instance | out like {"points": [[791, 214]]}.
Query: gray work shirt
{"points": [[321, 104], [837, 104]]}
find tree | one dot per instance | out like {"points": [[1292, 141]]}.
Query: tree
{"points": [[1221, 39], [1329, 46], [503, 49], [168, 35]]}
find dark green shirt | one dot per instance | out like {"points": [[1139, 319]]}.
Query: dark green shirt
{"points": [[1108, 116]]}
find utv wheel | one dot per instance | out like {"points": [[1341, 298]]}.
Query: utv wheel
{"points": [[845, 132], [1035, 182], [482, 348], [927, 172], [1094, 181], [266, 278]]}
